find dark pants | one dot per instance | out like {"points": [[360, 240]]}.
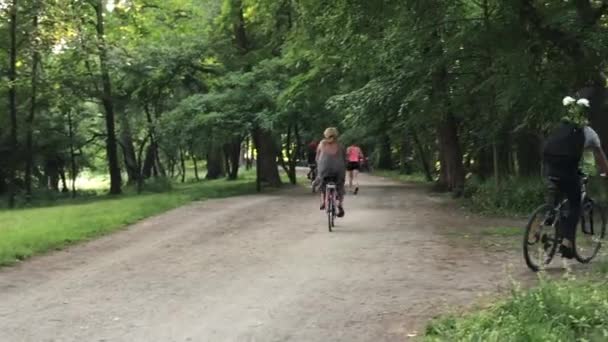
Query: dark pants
{"points": [[570, 188]]}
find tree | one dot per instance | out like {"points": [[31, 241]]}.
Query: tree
{"points": [[108, 102], [12, 103]]}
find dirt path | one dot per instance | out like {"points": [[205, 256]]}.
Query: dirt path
{"points": [[259, 268]]}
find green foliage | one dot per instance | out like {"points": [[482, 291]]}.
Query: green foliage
{"points": [[514, 196], [553, 311]]}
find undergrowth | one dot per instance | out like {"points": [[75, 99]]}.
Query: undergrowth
{"points": [[512, 197]]}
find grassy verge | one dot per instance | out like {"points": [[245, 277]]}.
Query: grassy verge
{"points": [[568, 310], [25, 232]]}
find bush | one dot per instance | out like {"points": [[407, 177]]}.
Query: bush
{"points": [[554, 311], [514, 196]]}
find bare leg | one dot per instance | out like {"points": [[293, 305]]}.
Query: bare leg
{"points": [[340, 202], [350, 179]]}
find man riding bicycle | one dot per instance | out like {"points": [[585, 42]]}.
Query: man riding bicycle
{"points": [[311, 154], [562, 154]]}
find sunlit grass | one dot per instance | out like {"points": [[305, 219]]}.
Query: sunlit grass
{"points": [[87, 181]]}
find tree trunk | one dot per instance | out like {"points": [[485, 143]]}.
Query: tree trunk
{"points": [[171, 167], [182, 159], [51, 171], [294, 154], [149, 161], [215, 163], [484, 162], [195, 162], [404, 155], [29, 153], [128, 149], [64, 183], [2, 182], [423, 157], [234, 158], [290, 166], [155, 165], [72, 153], [528, 154], [451, 155], [106, 98], [443, 180], [248, 154], [268, 169], [12, 99], [502, 156], [226, 158], [385, 160], [140, 163]]}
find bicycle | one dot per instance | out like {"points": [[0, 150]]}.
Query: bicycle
{"points": [[547, 236], [312, 176], [330, 197]]}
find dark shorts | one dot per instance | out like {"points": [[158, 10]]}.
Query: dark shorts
{"points": [[353, 166]]}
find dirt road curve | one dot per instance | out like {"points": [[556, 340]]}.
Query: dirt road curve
{"points": [[258, 268]]}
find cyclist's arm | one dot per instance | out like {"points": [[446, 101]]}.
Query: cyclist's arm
{"points": [[600, 159], [592, 141], [318, 150]]}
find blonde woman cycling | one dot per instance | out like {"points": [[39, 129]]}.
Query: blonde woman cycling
{"points": [[331, 162]]}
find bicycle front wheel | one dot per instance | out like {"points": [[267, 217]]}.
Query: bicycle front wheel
{"points": [[330, 211], [590, 232], [541, 237]]}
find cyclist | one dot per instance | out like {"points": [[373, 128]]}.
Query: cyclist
{"points": [[311, 154], [331, 163], [355, 156], [562, 153]]}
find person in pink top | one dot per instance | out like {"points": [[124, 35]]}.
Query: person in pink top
{"points": [[354, 157]]}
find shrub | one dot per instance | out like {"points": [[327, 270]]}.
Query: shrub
{"points": [[514, 196]]}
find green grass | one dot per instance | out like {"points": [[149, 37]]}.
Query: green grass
{"points": [[29, 231], [567, 310], [401, 177]]}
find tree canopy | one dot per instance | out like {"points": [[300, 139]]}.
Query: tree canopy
{"points": [[136, 88]]}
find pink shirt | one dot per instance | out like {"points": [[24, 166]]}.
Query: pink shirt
{"points": [[354, 154]]}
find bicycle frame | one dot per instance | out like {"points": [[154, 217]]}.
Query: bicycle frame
{"points": [[330, 198], [554, 214]]}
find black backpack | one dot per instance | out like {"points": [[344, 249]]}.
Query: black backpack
{"points": [[565, 144]]}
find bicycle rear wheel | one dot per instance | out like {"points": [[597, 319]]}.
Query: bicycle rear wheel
{"points": [[590, 232], [330, 209], [541, 237]]}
